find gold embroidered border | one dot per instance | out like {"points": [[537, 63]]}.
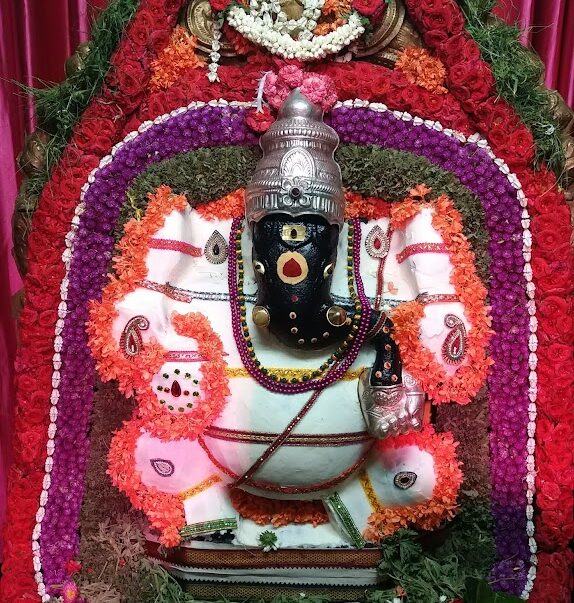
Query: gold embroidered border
{"points": [[369, 490], [201, 487], [293, 373], [297, 439]]}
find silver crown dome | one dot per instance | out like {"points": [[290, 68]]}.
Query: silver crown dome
{"points": [[297, 174]]}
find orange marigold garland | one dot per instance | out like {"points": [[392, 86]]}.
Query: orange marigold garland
{"points": [[419, 360], [228, 207], [175, 59], [371, 208], [130, 266], [134, 373], [164, 511], [385, 521], [422, 69], [264, 511]]}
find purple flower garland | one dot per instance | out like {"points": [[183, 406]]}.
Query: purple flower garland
{"points": [[212, 125], [508, 382]]}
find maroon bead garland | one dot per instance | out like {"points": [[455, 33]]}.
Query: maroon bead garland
{"points": [[339, 368]]}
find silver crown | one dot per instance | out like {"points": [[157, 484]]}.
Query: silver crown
{"points": [[297, 174]]}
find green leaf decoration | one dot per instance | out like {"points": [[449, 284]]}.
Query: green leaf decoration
{"points": [[479, 591]]}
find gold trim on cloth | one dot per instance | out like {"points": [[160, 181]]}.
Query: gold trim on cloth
{"points": [[292, 373], [201, 487], [295, 439], [369, 491], [230, 557]]}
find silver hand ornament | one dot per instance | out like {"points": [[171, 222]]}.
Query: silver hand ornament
{"points": [[393, 409]]}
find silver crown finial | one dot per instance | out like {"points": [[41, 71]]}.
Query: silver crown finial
{"points": [[297, 174]]}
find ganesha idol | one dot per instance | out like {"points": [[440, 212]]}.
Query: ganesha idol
{"points": [[264, 344]]}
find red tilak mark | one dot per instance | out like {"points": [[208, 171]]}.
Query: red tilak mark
{"points": [[292, 269], [294, 298]]}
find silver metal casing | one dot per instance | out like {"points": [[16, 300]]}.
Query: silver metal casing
{"points": [[298, 174]]}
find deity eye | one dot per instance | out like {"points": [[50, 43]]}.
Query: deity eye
{"points": [[216, 248], [328, 270], [405, 479], [258, 267]]}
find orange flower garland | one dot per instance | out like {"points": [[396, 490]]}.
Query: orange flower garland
{"points": [[135, 373], [419, 360], [422, 69], [385, 521], [371, 208], [131, 373], [264, 511], [226, 208], [175, 59], [164, 511]]}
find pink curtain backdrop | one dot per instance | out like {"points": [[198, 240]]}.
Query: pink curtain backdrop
{"points": [[548, 27], [36, 36]]}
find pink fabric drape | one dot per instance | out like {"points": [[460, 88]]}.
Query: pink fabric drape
{"points": [[36, 37], [548, 27]]}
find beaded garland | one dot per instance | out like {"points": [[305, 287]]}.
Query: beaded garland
{"points": [[338, 363]]}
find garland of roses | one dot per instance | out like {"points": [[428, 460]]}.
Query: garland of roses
{"points": [[127, 160], [471, 80], [420, 361], [543, 198], [39, 356]]}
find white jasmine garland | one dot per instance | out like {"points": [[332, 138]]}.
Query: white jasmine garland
{"points": [[274, 36], [215, 47]]}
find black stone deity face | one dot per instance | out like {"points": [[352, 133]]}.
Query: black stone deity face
{"points": [[294, 259]]}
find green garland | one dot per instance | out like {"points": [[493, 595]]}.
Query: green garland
{"points": [[201, 175], [59, 108], [518, 73]]}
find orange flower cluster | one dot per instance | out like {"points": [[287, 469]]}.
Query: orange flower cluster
{"points": [[175, 59], [164, 511], [371, 208], [264, 511], [385, 521], [228, 207], [333, 14], [131, 373], [422, 69], [419, 360], [233, 206], [134, 374]]}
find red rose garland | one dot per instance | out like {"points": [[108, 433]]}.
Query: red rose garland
{"points": [[553, 272], [99, 129]]}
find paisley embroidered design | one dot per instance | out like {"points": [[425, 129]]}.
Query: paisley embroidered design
{"points": [[405, 479], [216, 249], [455, 343], [131, 341], [163, 467], [377, 243]]}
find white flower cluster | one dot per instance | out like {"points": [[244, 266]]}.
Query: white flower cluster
{"points": [[267, 25], [215, 48]]}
